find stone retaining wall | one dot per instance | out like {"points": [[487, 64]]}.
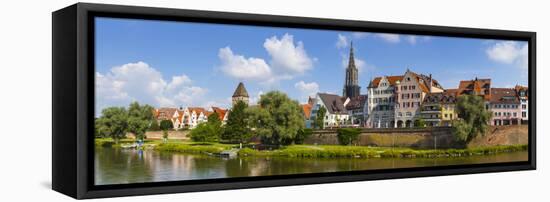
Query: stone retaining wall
{"points": [[440, 137]]}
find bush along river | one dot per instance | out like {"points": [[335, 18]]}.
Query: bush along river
{"points": [[174, 162]]}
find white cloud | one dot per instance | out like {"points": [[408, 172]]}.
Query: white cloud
{"points": [[307, 89], [359, 35], [255, 99], [237, 66], [411, 39], [342, 41], [143, 83], [509, 52], [286, 56], [361, 65], [391, 38]]}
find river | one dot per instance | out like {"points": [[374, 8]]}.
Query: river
{"points": [[121, 166]]}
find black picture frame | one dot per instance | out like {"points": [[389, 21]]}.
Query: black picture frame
{"points": [[73, 100]]}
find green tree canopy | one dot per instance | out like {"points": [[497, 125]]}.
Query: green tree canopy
{"points": [[347, 136], [205, 132], [278, 119], [113, 123], [236, 128], [474, 118], [320, 117], [154, 126], [166, 125], [302, 135], [419, 123], [140, 118]]}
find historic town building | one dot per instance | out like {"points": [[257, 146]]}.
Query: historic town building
{"points": [[336, 113], [438, 109], [380, 103], [351, 85], [505, 106], [240, 94], [523, 94], [409, 94], [481, 87], [394, 101], [357, 108]]}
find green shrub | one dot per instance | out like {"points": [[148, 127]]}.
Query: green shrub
{"points": [[302, 135], [347, 136], [154, 126], [166, 125]]}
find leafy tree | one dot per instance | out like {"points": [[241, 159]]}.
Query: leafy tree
{"points": [[205, 132], [209, 131], [419, 123], [474, 118], [154, 126], [236, 128], [216, 124], [140, 118], [113, 123], [347, 136], [166, 125], [302, 134], [278, 119], [320, 117]]}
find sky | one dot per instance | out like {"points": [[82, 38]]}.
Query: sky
{"points": [[173, 64]]}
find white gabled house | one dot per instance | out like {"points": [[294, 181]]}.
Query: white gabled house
{"points": [[336, 113]]}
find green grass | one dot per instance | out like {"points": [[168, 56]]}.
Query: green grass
{"points": [[301, 151], [194, 147], [316, 151]]}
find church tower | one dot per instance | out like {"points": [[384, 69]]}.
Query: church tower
{"points": [[240, 94], [351, 85]]}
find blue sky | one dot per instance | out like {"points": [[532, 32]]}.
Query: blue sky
{"points": [[195, 64]]}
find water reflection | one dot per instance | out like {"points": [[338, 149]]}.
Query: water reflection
{"points": [[120, 166]]}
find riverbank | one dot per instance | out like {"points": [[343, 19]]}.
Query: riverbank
{"points": [[307, 151], [326, 151], [314, 151]]}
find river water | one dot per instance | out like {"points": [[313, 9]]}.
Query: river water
{"points": [[121, 166]]}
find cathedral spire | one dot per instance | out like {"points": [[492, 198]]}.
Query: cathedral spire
{"points": [[351, 62], [351, 85]]}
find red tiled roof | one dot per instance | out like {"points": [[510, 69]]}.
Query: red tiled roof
{"points": [[504, 95], [221, 112], [307, 110], [391, 79], [476, 87]]}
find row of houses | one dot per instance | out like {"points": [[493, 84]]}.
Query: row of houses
{"points": [[188, 117], [398, 101]]}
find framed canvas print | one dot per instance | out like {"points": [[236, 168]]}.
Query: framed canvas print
{"points": [[155, 100]]}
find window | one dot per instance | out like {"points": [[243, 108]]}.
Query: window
{"points": [[408, 114], [523, 114], [524, 106], [515, 114]]}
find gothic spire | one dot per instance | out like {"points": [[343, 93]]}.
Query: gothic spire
{"points": [[351, 57]]}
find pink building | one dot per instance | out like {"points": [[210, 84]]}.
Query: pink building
{"points": [[505, 106]]}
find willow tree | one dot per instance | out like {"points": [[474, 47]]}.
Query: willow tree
{"points": [[474, 118], [277, 119]]}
